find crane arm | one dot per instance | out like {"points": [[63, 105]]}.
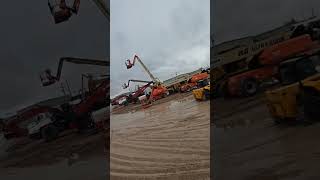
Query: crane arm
{"points": [[133, 80], [92, 83], [75, 6], [103, 8], [48, 79], [129, 65], [97, 99], [79, 61], [99, 3]]}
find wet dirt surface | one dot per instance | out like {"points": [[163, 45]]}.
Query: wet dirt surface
{"points": [[169, 140], [71, 156], [248, 145]]}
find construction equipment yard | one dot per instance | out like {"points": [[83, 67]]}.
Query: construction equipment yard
{"points": [[169, 140], [268, 132], [249, 145]]}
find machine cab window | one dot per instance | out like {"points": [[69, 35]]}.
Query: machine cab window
{"points": [[316, 61], [297, 69]]}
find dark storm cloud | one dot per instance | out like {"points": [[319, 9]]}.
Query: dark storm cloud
{"points": [[31, 42], [170, 37], [234, 19]]}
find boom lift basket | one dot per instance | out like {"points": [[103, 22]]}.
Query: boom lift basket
{"points": [[129, 64], [47, 78], [61, 11], [125, 86]]}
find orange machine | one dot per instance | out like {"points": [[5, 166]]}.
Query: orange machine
{"points": [[158, 90], [265, 66], [291, 47], [193, 81]]}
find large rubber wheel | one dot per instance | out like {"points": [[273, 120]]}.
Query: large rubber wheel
{"points": [[249, 87], [206, 94], [85, 124], [188, 89], [164, 95], [311, 105], [221, 90], [49, 133], [300, 116], [277, 121]]}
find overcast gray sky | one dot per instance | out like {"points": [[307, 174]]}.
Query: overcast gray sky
{"points": [[31, 42], [170, 36], [234, 19]]}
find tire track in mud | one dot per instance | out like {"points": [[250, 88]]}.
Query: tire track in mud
{"points": [[172, 141]]}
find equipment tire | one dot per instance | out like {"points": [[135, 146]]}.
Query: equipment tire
{"points": [[311, 104], [249, 87], [49, 132], [206, 94], [277, 120]]}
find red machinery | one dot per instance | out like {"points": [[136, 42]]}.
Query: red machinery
{"points": [[130, 64], [16, 126], [48, 79], [76, 116], [97, 98], [115, 101], [61, 12], [158, 90], [193, 81], [265, 66], [133, 97]]}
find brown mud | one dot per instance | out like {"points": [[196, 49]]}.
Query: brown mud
{"points": [[248, 144], [169, 140]]}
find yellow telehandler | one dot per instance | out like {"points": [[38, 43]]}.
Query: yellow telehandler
{"points": [[298, 98], [202, 94]]}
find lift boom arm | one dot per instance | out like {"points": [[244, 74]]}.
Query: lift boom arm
{"points": [[79, 61], [53, 79], [133, 80], [65, 12], [129, 65], [103, 8]]}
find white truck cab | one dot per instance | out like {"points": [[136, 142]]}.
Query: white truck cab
{"points": [[39, 121], [123, 101]]}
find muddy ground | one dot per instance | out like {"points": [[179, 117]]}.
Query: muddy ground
{"points": [[169, 140], [71, 156], [248, 145]]}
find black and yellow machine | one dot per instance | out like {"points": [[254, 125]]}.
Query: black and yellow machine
{"points": [[298, 97]]}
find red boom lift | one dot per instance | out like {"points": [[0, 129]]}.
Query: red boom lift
{"points": [[158, 90], [140, 91], [98, 96], [61, 12]]}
